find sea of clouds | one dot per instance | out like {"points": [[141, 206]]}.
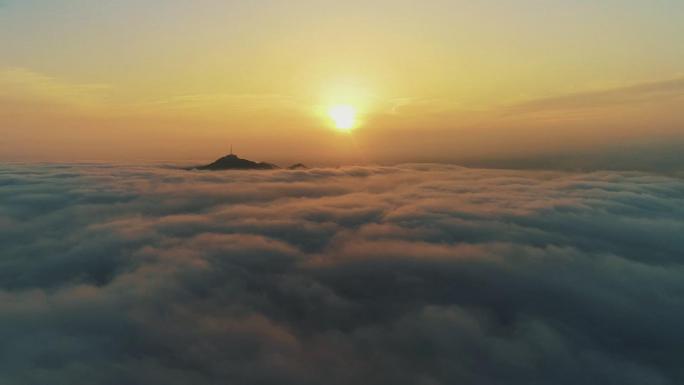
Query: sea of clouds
{"points": [[415, 274]]}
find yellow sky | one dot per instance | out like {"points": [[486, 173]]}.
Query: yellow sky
{"points": [[435, 80]]}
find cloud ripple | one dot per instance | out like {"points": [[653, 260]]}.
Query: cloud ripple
{"points": [[416, 274]]}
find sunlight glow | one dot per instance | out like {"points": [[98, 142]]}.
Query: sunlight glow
{"points": [[343, 116]]}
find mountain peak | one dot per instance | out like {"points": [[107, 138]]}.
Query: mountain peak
{"points": [[298, 166], [233, 162]]}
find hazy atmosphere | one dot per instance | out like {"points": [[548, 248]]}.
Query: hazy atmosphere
{"points": [[450, 81], [314, 192]]}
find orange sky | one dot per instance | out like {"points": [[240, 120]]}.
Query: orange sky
{"points": [[438, 80]]}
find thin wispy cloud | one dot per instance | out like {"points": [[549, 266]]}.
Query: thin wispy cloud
{"points": [[653, 92], [24, 85]]}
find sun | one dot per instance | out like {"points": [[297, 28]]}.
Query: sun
{"points": [[343, 116]]}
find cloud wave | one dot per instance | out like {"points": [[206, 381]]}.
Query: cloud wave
{"points": [[415, 274]]}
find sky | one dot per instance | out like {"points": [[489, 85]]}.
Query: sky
{"points": [[525, 82]]}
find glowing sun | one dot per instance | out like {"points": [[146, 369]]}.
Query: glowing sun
{"points": [[343, 116]]}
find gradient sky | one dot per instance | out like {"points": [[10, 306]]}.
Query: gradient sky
{"points": [[433, 80]]}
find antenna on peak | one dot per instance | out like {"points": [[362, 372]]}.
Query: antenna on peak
{"points": [[231, 149]]}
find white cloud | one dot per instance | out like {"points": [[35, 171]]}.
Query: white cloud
{"points": [[417, 274]]}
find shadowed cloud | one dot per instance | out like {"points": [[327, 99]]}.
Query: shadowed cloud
{"points": [[415, 274]]}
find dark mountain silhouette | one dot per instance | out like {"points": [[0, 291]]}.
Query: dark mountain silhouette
{"points": [[298, 166], [233, 162]]}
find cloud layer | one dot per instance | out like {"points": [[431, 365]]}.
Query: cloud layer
{"points": [[417, 274]]}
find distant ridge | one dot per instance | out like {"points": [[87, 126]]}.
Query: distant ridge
{"points": [[233, 162], [298, 166]]}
